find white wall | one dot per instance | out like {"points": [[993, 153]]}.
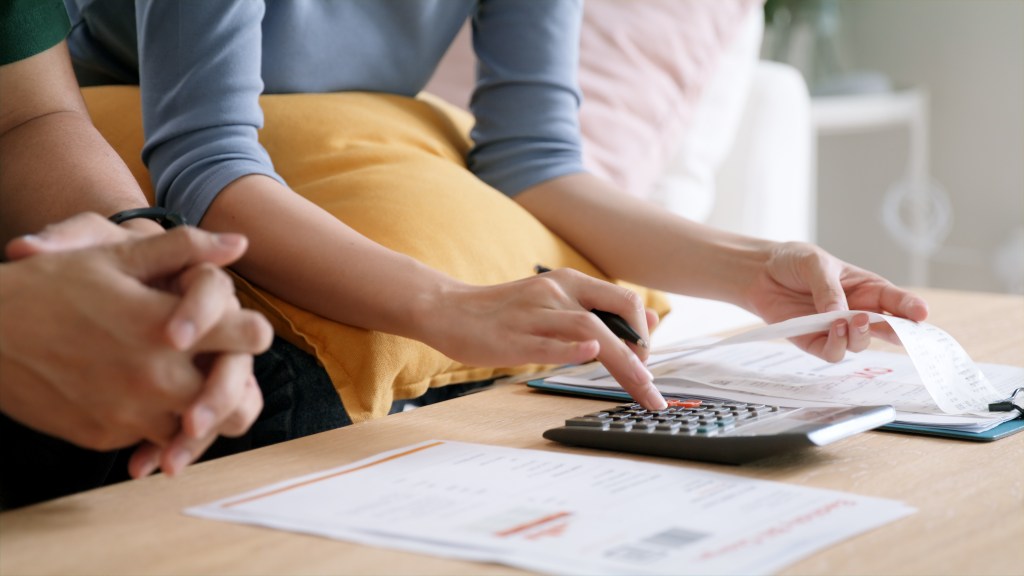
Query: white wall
{"points": [[969, 54]]}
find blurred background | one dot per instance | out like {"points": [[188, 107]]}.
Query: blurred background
{"points": [[918, 113], [891, 132]]}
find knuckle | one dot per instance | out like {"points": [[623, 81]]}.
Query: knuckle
{"points": [[240, 420], [255, 330], [582, 322], [633, 299], [547, 287], [808, 255], [187, 237], [219, 276]]}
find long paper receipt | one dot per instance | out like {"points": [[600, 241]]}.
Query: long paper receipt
{"points": [[947, 372]]}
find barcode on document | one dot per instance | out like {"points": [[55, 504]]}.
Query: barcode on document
{"points": [[655, 547], [673, 538]]}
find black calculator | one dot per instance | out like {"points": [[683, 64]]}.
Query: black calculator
{"points": [[715, 430]]}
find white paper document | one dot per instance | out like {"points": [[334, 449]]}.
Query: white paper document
{"points": [[951, 378], [561, 513], [780, 373], [935, 384]]}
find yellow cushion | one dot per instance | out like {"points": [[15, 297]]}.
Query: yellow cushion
{"points": [[392, 168]]}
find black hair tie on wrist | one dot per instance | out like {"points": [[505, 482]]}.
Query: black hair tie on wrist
{"points": [[161, 216]]}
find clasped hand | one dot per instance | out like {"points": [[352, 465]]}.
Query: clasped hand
{"points": [[112, 339]]}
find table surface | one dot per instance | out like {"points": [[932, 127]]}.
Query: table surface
{"points": [[969, 496]]}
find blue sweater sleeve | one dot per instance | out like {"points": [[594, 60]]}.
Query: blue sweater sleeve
{"points": [[200, 98], [201, 65], [526, 99]]}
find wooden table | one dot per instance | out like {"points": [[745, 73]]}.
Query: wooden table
{"points": [[969, 496]]}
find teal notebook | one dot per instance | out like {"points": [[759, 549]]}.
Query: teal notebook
{"points": [[1001, 431]]}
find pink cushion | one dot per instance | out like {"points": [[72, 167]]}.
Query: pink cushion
{"points": [[643, 65]]}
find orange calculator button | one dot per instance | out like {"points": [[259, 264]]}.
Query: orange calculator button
{"points": [[683, 403]]}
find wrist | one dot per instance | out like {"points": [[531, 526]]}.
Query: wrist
{"points": [[735, 264], [431, 307]]}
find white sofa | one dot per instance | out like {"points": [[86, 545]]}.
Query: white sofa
{"points": [[747, 165]]}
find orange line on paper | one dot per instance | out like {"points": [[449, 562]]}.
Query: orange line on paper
{"points": [[327, 477], [552, 532], [533, 524]]}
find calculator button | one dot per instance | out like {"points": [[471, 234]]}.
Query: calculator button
{"points": [[684, 403], [587, 421]]}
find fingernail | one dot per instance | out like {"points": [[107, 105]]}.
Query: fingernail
{"points": [[33, 239], [863, 328], [183, 333], [150, 466], [202, 421], [229, 240], [179, 458], [841, 330]]}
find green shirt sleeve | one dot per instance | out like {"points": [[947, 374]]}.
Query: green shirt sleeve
{"points": [[28, 27]]}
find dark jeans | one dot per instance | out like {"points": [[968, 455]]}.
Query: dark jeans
{"points": [[298, 399]]}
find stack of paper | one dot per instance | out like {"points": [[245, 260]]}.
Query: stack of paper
{"points": [[779, 373], [936, 384]]}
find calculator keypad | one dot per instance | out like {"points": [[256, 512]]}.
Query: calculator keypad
{"points": [[695, 417], [717, 430]]}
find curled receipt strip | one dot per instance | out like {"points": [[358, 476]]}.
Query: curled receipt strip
{"points": [[947, 372]]}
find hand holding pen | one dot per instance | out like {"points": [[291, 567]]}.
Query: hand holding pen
{"points": [[642, 389], [614, 322], [543, 319]]}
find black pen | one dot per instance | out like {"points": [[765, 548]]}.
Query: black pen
{"points": [[614, 322]]}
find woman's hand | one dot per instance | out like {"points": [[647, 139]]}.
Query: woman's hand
{"points": [[544, 319], [800, 279]]}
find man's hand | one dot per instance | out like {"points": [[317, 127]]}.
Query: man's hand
{"points": [[123, 339]]}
